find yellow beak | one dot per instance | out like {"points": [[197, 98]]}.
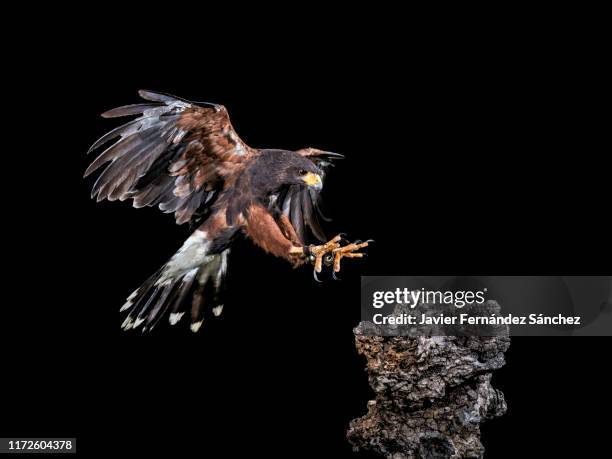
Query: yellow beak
{"points": [[312, 179]]}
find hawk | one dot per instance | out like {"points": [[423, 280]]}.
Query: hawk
{"points": [[187, 159]]}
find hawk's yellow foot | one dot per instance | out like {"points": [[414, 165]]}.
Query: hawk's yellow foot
{"points": [[332, 252]]}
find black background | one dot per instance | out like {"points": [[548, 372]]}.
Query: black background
{"points": [[467, 152]]}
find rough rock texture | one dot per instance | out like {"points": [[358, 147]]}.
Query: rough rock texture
{"points": [[432, 393]]}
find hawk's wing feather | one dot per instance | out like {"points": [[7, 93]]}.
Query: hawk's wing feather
{"points": [[300, 205], [126, 110], [175, 155]]}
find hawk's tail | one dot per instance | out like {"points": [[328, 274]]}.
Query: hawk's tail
{"points": [[177, 288]]}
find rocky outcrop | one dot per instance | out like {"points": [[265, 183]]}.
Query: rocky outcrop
{"points": [[432, 393]]}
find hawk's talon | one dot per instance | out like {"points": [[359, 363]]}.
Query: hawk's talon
{"points": [[348, 251], [332, 252]]}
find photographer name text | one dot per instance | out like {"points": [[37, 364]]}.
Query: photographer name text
{"points": [[467, 319]]}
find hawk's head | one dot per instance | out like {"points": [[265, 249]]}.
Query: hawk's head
{"points": [[281, 168]]}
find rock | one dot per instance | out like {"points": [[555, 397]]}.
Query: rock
{"points": [[432, 393]]}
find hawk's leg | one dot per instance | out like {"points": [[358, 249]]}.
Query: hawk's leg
{"points": [[333, 251], [265, 231]]}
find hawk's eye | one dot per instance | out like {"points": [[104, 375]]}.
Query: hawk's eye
{"points": [[302, 172]]}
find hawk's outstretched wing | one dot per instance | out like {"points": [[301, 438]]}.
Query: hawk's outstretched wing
{"points": [[301, 204], [176, 155]]}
